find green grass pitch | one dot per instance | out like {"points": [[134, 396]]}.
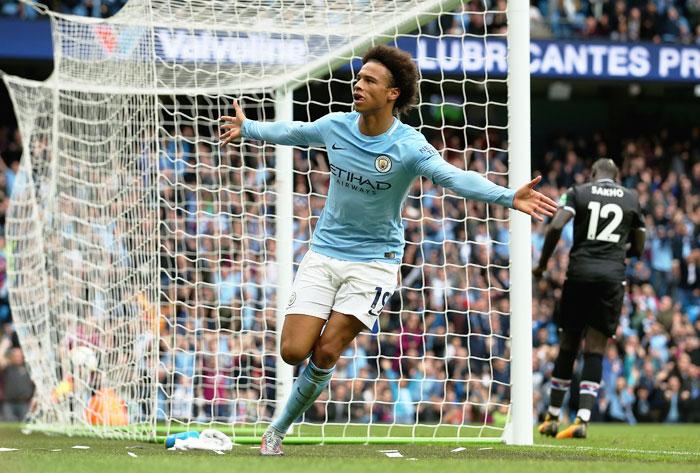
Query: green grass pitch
{"points": [[610, 448]]}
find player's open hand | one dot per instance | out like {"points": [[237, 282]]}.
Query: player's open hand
{"points": [[231, 129], [534, 203]]}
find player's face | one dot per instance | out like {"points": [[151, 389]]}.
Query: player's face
{"points": [[373, 89]]}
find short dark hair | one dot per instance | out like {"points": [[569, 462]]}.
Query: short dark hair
{"points": [[404, 73], [605, 167]]}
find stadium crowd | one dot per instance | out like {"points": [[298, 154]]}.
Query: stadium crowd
{"points": [[668, 21], [651, 371], [442, 339], [671, 21], [442, 336], [93, 8]]}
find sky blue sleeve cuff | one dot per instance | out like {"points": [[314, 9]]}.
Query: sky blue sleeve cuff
{"points": [[506, 200], [246, 128]]}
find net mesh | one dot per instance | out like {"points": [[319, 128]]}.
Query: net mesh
{"points": [[141, 240], [83, 242]]}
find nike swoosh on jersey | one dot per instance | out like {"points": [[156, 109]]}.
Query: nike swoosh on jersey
{"points": [[335, 146]]}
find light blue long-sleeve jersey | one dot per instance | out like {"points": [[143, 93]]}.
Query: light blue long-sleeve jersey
{"points": [[370, 178]]}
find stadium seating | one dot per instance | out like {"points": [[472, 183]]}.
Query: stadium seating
{"points": [[675, 21], [650, 374]]}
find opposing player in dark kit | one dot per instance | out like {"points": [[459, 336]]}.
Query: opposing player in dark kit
{"points": [[608, 227]]}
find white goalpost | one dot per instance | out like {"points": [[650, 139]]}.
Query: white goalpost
{"points": [[149, 267], [520, 432]]}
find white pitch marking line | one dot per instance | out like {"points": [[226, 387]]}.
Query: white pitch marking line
{"points": [[607, 449], [132, 454], [80, 447], [458, 449], [3, 449], [393, 454]]}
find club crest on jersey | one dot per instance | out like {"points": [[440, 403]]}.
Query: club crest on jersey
{"points": [[383, 163]]}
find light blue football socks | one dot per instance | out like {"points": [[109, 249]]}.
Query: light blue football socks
{"points": [[308, 386]]}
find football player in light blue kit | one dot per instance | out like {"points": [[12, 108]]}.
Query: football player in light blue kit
{"points": [[352, 267]]}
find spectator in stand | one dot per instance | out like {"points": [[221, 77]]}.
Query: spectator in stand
{"points": [[17, 9], [674, 27], [17, 385]]}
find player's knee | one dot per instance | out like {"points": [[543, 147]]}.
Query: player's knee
{"points": [[596, 341], [569, 341], [326, 354], [291, 354]]}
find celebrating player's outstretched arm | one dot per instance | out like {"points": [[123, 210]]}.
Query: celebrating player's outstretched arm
{"points": [[533, 203], [232, 125], [526, 199], [351, 269]]}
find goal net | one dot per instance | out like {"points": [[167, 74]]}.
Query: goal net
{"points": [[149, 266]]}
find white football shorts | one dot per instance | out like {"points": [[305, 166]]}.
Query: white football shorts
{"points": [[361, 289]]}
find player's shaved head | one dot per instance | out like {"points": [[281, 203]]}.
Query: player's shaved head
{"points": [[604, 168], [403, 73]]}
